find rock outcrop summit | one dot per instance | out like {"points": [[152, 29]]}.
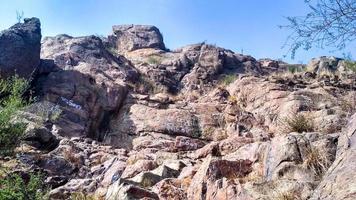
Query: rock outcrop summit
{"points": [[123, 117]]}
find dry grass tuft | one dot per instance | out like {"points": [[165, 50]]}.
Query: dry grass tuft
{"points": [[327, 74], [284, 192], [221, 136], [133, 159], [82, 196], [285, 75], [146, 85], [286, 195], [348, 103], [185, 183], [300, 122], [317, 161], [241, 99], [232, 100], [72, 157], [256, 176]]}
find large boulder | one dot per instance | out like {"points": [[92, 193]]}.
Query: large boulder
{"points": [[135, 119], [20, 48], [329, 64], [132, 37], [323, 63]]}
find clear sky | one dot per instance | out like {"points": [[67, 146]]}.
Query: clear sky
{"points": [[251, 25]]}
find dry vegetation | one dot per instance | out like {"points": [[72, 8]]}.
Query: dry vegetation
{"points": [[241, 99], [317, 161], [299, 122], [72, 157], [286, 195], [145, 85], [348, 103], [83, 196]]}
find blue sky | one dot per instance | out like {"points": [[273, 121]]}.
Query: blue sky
{"points": [[251, 25]]}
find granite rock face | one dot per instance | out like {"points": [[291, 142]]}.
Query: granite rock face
{"points": [[20, 49], [124, 118], [329, 64], [133, 37], [338, 183]]}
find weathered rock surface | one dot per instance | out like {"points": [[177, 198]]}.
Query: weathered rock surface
{"points": [[212, 173], [132, 37], [338, 181], [124, 118], [84, 104], [20, 49], [89, 56], [192, 68], [328, 64]]}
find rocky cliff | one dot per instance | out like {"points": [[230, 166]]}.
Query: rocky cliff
{"points": [[122, 117]]}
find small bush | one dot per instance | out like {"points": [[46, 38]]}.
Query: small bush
{"points": [[112, 50], [295, 68], [46, 112], [241, 99], [154, 60], [82, 196], [15, 187], [298, 123], [351, 65], [348, 103], [11, 101], [228, 79]]}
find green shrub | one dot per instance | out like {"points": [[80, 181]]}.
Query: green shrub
{"points": [[154, 60], [295, 69], [351, 65], [47, 111], [14, 187], [112, 50], [228, 79], [11, 101]]}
